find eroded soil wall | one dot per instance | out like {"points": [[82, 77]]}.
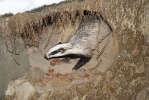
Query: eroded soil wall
{"points": [[127, 77]]}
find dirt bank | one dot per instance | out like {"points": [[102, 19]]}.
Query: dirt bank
{"points": [[121, 72]]}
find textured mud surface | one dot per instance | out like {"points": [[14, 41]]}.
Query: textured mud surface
{"points": [[120, 73]]}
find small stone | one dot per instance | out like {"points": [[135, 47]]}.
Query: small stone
{"points": [[109, 75], [128, 73], [144, 48], [135, 51], [141, 95], [132, 82], [105, 90], [124, 53], [43, 95], [50, 70], [113, 84], [140, 67], [125, 38], [87, 75], [118, 90], [24, 91], [137, 81], [95, 79], [127, 64], [48, 87], [10, 91], [18, 81], [13, 84], [146, 37], [147, 75], [147, 89]]}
